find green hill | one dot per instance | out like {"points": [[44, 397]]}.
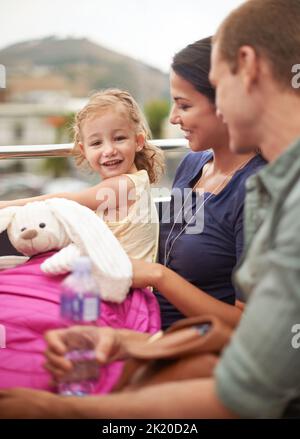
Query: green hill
{"points": [[84, 66]]}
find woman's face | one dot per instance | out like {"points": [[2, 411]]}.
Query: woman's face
{"points": [[196, 116]]}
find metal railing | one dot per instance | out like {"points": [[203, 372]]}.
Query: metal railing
{"points": [[65, 150]]}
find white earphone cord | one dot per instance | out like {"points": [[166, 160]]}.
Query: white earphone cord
{"points": [[167, 255]]}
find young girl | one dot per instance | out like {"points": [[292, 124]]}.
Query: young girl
{"points": [[111, 138]]}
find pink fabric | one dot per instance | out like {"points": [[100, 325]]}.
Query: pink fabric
{"points": [[29, 306]]}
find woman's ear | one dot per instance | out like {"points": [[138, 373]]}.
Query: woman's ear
{"points": [[140, 142]]}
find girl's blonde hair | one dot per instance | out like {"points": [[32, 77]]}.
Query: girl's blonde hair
{"points": [[150, 158]]}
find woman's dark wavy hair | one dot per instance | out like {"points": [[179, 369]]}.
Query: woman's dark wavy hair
{"points": [[193, 64]]}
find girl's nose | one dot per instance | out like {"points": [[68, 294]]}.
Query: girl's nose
{"points": [[174, 117], [108, 149]]}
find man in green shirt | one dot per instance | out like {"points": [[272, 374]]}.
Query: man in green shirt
{"points": [[255, 53], [253, 59]]}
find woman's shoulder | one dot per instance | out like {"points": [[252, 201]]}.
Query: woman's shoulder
{"points": [[256, 163], [192, 163], [195, 158], [237, 186], [252, 167]]}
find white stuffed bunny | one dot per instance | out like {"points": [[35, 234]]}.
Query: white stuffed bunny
{"points": [[74, 230]]}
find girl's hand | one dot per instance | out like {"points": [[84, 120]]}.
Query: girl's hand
{"points": [[106, 342]]}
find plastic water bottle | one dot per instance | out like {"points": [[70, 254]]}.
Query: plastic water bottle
{"points": [[80, 305]]}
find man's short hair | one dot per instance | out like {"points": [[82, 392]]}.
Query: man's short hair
{"points": [[271, 27]]}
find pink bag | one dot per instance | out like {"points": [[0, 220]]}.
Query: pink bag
{"points": [[29, 306]]}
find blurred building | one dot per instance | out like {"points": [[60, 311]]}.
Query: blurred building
{"points": [[34, 123]]}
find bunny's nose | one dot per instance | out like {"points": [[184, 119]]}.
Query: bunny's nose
{"points": [[29, 234]]}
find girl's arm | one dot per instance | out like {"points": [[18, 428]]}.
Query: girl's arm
{"points": [[110, 194], [23, 201], [113, 193], [187, 298], [75, 196]]}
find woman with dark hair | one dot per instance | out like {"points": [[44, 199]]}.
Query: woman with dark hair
{"points": [[204, 246]]}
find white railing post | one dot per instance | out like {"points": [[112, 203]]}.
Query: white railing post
{"points": [[65, 150]]}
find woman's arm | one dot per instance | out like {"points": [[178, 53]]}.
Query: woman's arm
{"points": [[187, 298]]}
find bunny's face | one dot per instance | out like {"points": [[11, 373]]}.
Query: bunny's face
{"points": [[34, 229]]}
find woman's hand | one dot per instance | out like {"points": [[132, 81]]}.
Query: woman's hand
{"points": [[146, 274], [107, 343]]}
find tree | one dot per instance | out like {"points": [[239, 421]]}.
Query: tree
{"points": [[156, 111], [59, 166]]}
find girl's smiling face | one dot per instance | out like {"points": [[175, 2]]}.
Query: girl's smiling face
{"points": [[110, 143]]}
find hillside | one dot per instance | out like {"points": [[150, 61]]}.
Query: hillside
{"points": [[77, 66]]}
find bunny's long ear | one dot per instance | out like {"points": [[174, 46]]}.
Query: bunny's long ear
{"points": [[111, 265], [6, 216]]}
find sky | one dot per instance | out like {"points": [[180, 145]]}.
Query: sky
{"points": [[148, 30]]}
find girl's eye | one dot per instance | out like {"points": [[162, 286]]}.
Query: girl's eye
{"points": [[97, 143], [120, 138]]}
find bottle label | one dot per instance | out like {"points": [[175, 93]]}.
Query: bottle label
{"points": [[80, 308], [90, 306]]}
